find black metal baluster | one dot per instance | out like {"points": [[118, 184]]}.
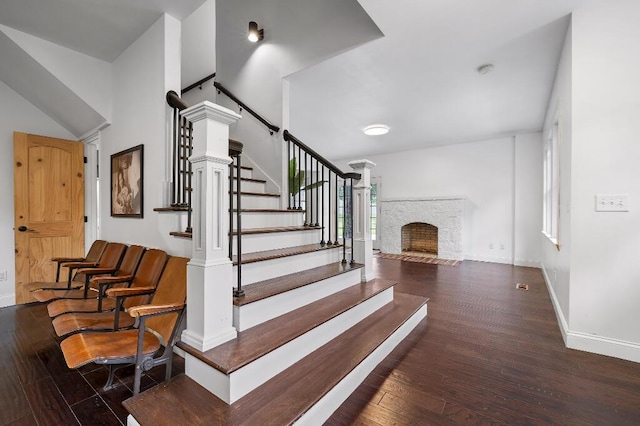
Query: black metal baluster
{"points": [[176, 126], [310, 192], [231, 173], [318, 188], [344, 221], [289, 175], [337, 197], [298, 181], [238, 291], [329, 242], [188, 188], [351, 215], [303, 188], [322, 242]]}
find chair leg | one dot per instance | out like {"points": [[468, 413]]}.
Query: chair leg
{"points": [[112, 375]]}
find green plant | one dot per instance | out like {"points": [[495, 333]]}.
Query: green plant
{"points": [[297, 179]]}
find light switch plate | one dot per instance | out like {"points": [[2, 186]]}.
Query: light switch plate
{"points": [[612, 203], [3, 275]]}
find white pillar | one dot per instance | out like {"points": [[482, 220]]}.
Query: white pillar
{"points": [[209, 273], [362, 244]]}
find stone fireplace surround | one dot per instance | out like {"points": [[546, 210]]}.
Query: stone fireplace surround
{"points": [[446, 213]]}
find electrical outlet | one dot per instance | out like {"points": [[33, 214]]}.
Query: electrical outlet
{"points": [[612, 203], [490, 246], [501, 246], [3, 275]]}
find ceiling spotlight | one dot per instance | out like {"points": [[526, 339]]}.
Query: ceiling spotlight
{"points": [[254, 33], [376, 130], [485, 69]]}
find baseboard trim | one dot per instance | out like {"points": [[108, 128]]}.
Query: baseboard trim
{"points": [[7, 300], [490, 259], [588, 342], [527, 263]]}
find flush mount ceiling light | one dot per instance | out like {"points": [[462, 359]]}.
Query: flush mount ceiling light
{"points": [[254, 33], [376, 130], [485, 69]]}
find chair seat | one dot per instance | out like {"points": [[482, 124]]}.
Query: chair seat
{"points": [[63, 306], [96, 321], [49, 295], [101, 348], [62, 285]]}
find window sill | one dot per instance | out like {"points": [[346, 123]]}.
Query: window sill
{"points": [[553, 240]]}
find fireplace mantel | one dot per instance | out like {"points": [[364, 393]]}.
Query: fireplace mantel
{"points": [[446, 212]]}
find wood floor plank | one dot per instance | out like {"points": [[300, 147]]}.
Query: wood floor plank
{"points": [[94, 411], [50, 407]]}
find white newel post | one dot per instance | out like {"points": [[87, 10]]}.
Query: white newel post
{"points": [[209, 273], [362, 244]]}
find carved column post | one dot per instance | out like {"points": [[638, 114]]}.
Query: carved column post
{"points": [[362, 244], [209, 273]]}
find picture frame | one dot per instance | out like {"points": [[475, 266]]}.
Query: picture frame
{"points": [[127, 183]]}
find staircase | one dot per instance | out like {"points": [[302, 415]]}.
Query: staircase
{"points": [[309, 331]]}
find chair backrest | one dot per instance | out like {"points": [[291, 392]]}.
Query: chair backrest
{"points": [[172, 288], [147, 275], [130, 261], [96, 250], [96, 253]]}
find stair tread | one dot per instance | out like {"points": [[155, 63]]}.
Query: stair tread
{"points": [[258, 194], [250, 180], [269, 211], [273, 286], [285, 397], [275, 229], [257, 341], [260, 256]]}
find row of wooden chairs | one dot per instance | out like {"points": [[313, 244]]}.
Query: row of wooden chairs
{"points": [[128, 308]]}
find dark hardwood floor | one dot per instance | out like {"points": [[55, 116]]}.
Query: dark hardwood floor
{"points": [[37, 387], [487, 354]]}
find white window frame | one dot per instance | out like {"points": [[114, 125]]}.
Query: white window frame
{"points": [[551, 185]]}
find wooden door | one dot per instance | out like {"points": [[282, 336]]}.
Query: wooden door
{"points": [[49, 206]]}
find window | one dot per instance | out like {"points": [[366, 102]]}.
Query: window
{"points": [[551, 194]]}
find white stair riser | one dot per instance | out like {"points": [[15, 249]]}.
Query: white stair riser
{"points": [[267, 220], [245, 173], [252, 243], [249, 186], [259, 371], [330, 402], [258, 202], [252, 314], [267, 269]]}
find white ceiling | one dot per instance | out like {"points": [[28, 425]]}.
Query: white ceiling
{"points": [[420, 79], [99, 28]]}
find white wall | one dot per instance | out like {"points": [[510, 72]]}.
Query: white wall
{"points": [[297, 34], [483, 172], [16, 114], [556, 262], [141, 77], [89, 78], [199, 52], [605, 153]]}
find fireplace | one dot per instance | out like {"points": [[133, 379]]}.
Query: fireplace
{"points": [[445, 214], [419, 238]]}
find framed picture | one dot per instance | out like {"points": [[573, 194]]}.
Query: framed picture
{"points": [[126, 183]]}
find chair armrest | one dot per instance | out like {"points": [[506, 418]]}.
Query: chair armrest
{"points": [[150, 310], [111, 279], [76, 265], [129, 291], [96, 271], [67, 259]]}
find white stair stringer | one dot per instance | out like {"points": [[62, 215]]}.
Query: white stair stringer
{"points": [[238, 383], [330, 402], [252, 314], [267, 269], [252, 243], [258, 219]]}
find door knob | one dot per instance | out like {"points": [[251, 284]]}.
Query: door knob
{"points": [[23, 228]]}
